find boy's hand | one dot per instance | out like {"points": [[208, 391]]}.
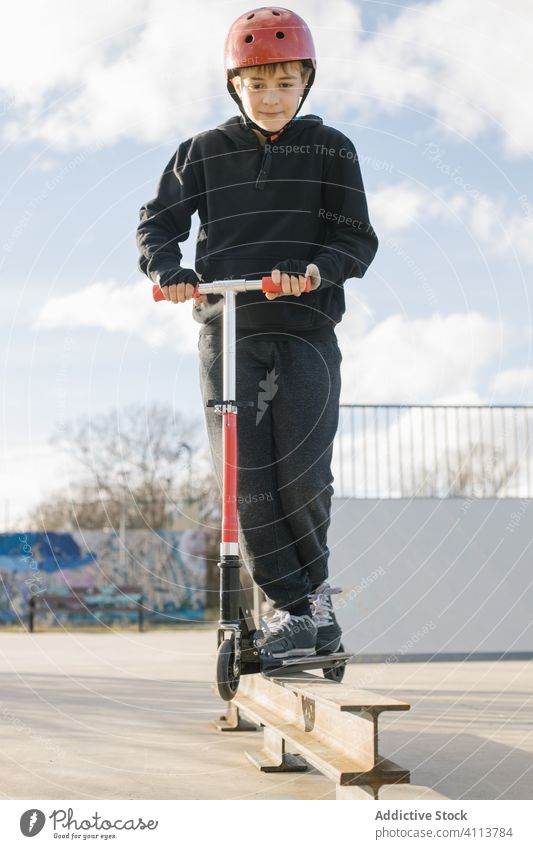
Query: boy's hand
{"points": [[183, 289], [178, 293], [292, 275], [290, 283]]}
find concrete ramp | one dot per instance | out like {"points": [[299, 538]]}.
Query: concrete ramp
{"points": [[433, 576]]}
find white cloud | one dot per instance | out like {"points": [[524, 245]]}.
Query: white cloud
{"points": [[123, 309], [489, 220], [505, 232], [95, 72], [399, 207], [467, 63], [518, 381], [439, 359]]}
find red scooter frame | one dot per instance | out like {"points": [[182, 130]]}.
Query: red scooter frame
{"points": [[237, 654]]}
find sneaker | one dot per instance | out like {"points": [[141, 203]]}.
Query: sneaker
{"points": [[285, 635], [328, 629]]}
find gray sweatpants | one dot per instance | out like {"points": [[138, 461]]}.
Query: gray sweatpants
{"points": [[285, 445]]}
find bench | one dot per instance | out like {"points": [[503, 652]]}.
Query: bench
{"points": [[91, 602]]}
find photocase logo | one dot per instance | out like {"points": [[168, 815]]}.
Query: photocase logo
{"points": [[268, 385], [32, 822]]}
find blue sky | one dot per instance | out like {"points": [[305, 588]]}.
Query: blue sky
{"points": [[95, 98]]}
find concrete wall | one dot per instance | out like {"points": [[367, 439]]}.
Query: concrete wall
{"points": [[433, 575]]}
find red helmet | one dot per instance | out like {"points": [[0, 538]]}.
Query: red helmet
{"points": [[267, 35]]}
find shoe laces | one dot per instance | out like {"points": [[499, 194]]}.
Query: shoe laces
{"points": [[281, 621], [321, 603]]}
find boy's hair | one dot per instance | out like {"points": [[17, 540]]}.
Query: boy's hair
{"points": [[271, 69]]}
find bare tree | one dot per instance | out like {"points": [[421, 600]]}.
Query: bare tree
{"points": [[132, 457], [133, 464], [482, 471], [79, 508]]}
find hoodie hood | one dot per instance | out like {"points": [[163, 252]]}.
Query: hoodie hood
{"points": [[239, 130]]}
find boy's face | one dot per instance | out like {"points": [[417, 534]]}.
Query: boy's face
{"points": [[271, 99]]}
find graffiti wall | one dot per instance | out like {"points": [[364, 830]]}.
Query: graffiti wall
{"points": [[167, 566]]}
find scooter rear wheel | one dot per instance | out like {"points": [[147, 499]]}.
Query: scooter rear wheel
{"points": [[336, 673], [227, 683]]}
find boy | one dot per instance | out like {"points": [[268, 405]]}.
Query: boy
{"points": [[279, 195]]}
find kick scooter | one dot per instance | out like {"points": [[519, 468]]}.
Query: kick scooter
{"points": [[237, 652]]}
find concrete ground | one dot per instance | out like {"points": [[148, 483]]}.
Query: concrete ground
{"points": [[127, 716]]}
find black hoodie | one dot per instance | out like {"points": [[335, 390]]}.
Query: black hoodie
{"points": [[301, 197]]}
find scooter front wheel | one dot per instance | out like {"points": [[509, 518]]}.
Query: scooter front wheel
{"points": [[227, 681]]}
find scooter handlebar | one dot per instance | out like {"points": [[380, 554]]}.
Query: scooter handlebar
{"points": [[267, 285]]}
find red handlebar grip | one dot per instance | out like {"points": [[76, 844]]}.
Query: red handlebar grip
{"points": [[270, 286], [158, 294]]}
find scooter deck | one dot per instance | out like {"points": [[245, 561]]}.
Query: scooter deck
{"points": [[273, 666]]}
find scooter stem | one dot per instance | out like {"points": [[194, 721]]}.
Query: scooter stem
{"points": [[229, 539]]}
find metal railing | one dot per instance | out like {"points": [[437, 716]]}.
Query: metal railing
{"points": [[424, 451]]}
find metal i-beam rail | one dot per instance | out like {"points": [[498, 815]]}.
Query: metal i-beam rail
{"points": [[330, 726]]}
